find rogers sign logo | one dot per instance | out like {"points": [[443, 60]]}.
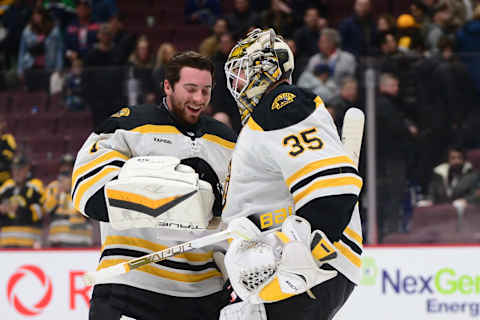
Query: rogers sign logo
{"points": [[13, 298]]}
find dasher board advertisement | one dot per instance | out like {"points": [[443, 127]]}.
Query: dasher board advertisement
{"points": [[45, 284], [417, 283]]}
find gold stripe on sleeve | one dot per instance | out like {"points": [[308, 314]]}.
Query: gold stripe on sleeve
{"points": [[317, 165]]}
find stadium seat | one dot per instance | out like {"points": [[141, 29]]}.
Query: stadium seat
{"points": [[72, 123], [474, 157], [29, 102], [33, 125], [48, 147], [5, 102]]}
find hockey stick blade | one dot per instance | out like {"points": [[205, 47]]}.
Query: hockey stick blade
{"points": [[352, 132]]}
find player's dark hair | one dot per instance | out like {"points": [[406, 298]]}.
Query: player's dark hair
{"points": [[190, 59]]}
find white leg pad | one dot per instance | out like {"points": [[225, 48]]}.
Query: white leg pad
{"points": [[243, 311]]}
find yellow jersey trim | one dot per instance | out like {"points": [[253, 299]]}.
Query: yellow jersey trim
{"points": [[151, 128], [355, 236], [21, 230], [348, 254], [151, 246], [215, 139], [318, 102], [153, 270], [317, 165], [328, 183], [90, 182], [253, 125], [90, 165]]}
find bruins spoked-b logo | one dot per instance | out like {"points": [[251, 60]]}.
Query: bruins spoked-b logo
{"points": [[282, 100]]}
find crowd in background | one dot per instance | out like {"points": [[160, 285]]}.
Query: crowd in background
{"points": [[428, 80]]}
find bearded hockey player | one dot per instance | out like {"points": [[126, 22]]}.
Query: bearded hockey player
{"points": [[290, 174], [152, 175]]}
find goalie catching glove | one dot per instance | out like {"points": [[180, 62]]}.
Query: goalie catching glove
{"points": [[158, 192], [281, 264]]}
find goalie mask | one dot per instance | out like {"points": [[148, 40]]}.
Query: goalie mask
{"points": [[255, 63]]}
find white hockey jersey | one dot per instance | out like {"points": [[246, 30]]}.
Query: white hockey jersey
{"points": [[289, 160], [152, 130]]}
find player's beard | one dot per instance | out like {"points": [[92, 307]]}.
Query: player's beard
{"points": [[180, 111]]}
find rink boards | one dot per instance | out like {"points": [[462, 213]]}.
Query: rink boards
{"points": [[415, 282]]}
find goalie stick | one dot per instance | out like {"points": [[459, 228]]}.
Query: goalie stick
{"points": [[242, 228], [352, 134]]}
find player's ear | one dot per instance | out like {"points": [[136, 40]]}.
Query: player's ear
{"points": [[167, 87]]}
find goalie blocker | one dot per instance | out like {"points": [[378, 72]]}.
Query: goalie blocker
{"points": [[159, 192]]}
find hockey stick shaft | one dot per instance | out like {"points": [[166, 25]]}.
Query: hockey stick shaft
{"points": [[92, 278]]}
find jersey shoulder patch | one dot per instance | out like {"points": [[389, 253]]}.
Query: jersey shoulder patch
{"points": [[284, 106], [131, 117]]}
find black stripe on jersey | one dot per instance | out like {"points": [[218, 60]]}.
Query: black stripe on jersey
{"points": [[116, 163], [153, 212], [351, 244], [166, 263], [323, 173], [330, 214]]}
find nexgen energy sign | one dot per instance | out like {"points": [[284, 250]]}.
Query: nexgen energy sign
{"points": [[45, 284], [417, 283]]}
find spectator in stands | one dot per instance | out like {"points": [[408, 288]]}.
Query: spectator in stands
{"points": [[81, 34], [394, 145], [346, 98], [458, 11], [421, 14], [454, 179], [67, 226], [74, 87], [164, 53], [454, 93], [278, 16], [319, 82], [103, 10], [62, 11], [468, 42], [40, 52], [209, 46], [123, 41], [306, 37], [385, 24], [14, 21], [21, 213], [102, 53], [222, 101], [103, 78], [408, 34], [242, 18], [8, 147], [441, 19], [223, 117], [358, 31], [202, 11], [341, 62], [140, 83]]}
